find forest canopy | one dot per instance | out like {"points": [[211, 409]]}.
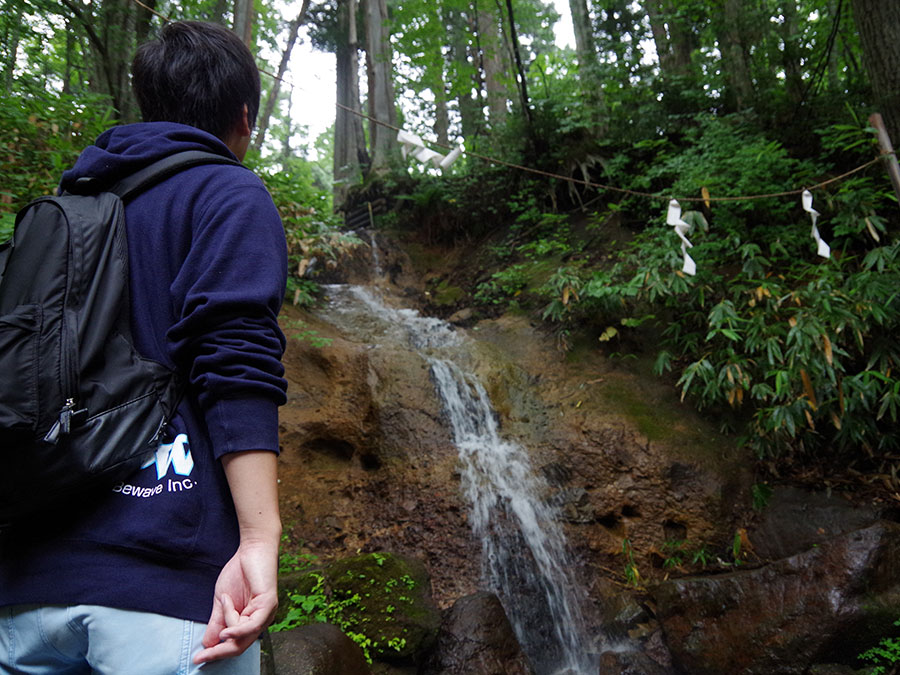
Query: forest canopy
{"points": [[572, 155]]}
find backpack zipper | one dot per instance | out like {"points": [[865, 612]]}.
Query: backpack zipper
{"points": [[68, 360]]}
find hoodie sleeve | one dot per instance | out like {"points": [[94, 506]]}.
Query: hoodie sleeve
{"points": [[227, 296]]}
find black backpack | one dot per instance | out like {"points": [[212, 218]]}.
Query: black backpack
{"points": [[79, 407]]}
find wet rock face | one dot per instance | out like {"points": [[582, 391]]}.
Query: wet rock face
{"points": [[476, 639], [820, 606], [368, 462]]}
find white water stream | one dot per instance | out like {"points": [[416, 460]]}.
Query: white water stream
{"points": [[524, 559]]}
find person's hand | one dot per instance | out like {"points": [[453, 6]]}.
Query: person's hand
{"points": [[246, 598]]}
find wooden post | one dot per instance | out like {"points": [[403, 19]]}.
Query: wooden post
{"points": [[890, 159]]}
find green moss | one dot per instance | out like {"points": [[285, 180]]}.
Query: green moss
{"points": [[423, 259], [661, 418], [445, 294], [653, 421], [380, 600]]}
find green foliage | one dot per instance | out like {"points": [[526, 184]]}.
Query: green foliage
{"points": [[680, 553], [760, 494], [41, 135], [502, 286], [368, 597], [885, 656], [632, 575], [7, 222], [312, 229], [301, 292], [794, 352], [295, 562], [299, 332], [316, 606]]}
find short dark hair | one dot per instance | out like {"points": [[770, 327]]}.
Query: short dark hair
{"points": [[196, 73]]}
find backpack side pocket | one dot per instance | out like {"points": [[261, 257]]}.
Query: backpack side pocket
{"points": [[20, 335]]}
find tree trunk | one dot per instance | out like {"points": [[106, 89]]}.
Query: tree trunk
{"points": [[588, 65], [658, 29], [13, 9], [349, 139], [272, 98], [791, 54], [520, 70], [490, 42], [112, 40], [681, 40], [585, 48], [878, 22], [381, 85], [834, 76], [739, 92], [217, 13], [464, 78], [144, 17], [441, 115], [674, 41], [243, 20]]}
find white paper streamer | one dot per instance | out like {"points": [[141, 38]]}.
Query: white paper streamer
{"points": [[426, 155], [681, 229], [822, 248], [452, 157], [410, 144]]}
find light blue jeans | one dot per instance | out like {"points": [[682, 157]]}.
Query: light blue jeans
{"points": [[83, 639]]}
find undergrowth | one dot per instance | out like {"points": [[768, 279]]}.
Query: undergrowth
{"points": [[793, 353]]}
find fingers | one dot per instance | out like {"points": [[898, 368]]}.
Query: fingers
{"points": [[230, 633], [252, 621], [215, 626], [232, 616], [225, 650]]}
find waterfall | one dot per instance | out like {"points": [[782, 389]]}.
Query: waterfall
{"points": [[524, 558], [376, 255]]}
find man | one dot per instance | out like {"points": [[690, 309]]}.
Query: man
{"points": [[176, 566]]}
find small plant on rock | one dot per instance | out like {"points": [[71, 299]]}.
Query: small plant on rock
{"points": [[884, 657]]}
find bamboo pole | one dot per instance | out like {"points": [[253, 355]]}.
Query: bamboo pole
{"points": [[887, 150]]}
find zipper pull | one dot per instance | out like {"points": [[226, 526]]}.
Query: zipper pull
{"points": [[65, 417], [68, 417]]}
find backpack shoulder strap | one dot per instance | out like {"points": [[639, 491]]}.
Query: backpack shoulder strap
{"points": [[157, 172]]}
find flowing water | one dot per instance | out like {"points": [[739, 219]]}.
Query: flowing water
{"points": [[524, 559]]}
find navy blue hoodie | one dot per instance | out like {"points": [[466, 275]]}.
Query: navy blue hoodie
{"points": [[208, 265]]}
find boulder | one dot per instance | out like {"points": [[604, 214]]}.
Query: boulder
{"points": [[476, 638], [824, 605], [390, 602], [319, 649], [626, 662], [383, 600], [795, 520]]}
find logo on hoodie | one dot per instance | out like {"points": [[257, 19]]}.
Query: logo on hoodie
{"points": [[174, 456]]}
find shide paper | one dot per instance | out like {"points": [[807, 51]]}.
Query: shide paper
{"points": [[821, 247], [410, 144], [681, 229]]}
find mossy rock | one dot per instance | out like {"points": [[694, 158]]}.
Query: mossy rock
{"points": [[294, 583], [395, 609], [446, 295]]}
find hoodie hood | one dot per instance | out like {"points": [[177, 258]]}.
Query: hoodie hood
{"points": [[123, 150]]}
